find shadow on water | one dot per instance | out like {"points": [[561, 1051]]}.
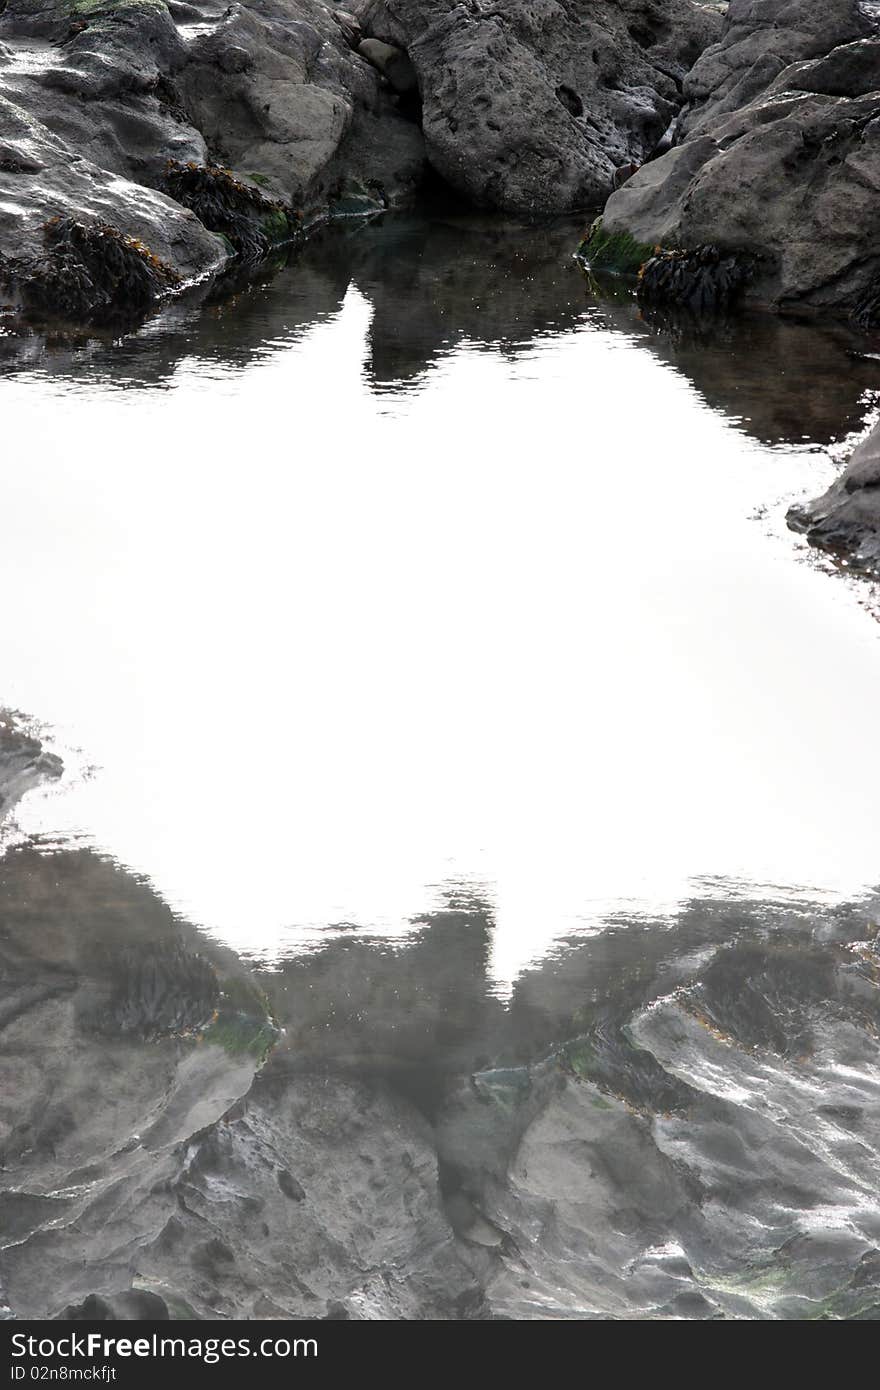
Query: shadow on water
{"points": [[433, 284]]}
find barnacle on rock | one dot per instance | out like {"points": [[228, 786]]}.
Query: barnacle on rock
{"points": [[250, 222], [91, 274]]}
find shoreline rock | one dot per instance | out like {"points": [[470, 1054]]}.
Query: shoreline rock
{"points": [[193, 138], [318, 112], [845, 520], [777, 160]]}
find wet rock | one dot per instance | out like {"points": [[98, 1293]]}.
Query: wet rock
{"points": [[532, 108], [148, 242], [778, 159], [677, 1158], [845, 520], [350, 26], [97, 102]]}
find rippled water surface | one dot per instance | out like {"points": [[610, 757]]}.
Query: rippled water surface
{"points": [[421, 624], [418, 565]]}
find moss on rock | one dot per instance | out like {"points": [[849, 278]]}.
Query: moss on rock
{"points": [[242, 1025], [614, 251]]}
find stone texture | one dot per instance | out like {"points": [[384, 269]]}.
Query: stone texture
{"points": [[845, 520], [532, 106], [790, 176], [97, 99]]}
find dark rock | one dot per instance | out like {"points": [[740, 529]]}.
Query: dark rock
{"points": [[780, 158], [290, 1187], [532, 107], [24, 763], [393, 64], [97, 101], [845, 520], [350, 26]]}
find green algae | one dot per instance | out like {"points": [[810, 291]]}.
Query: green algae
{"points": [[613, 251]]}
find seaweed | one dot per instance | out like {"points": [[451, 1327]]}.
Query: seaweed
{"points": [[866, 313], [91, 274], [251, 222], [608, 1057], [707, 280], [153, 993]]}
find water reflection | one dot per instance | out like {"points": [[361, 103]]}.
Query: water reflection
{"points": [[668, 1119], [422, 564], [413, 651], [434, 284]]}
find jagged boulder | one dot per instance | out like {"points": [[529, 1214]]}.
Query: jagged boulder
{"points": [[532, 106], [761, 38], [789, 179]]}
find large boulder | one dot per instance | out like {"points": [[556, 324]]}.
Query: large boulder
{"points": [[789, 180], [761, 38], [101, 102], [533, 106]]}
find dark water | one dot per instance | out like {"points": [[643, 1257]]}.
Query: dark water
{"points": [[456, 901]]}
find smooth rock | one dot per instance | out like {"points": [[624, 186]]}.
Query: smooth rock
{"points": [[393, 64]]}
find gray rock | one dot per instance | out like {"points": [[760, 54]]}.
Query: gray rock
{"points": [[845, 520], [669, 1161], [760, 39], [350, 26], [532, 107], [790, 177], [95, 104], [393, 64]]}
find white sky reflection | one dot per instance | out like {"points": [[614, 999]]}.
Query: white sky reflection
{"points": [[518, 626]]}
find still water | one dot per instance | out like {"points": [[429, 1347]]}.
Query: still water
{"points": [[456, 903], [418, 567]]}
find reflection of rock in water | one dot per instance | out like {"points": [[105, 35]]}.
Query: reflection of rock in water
{"points": [[144, 1175], [151, 993], [676, 1119], [24, 764], [434, 284]]}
